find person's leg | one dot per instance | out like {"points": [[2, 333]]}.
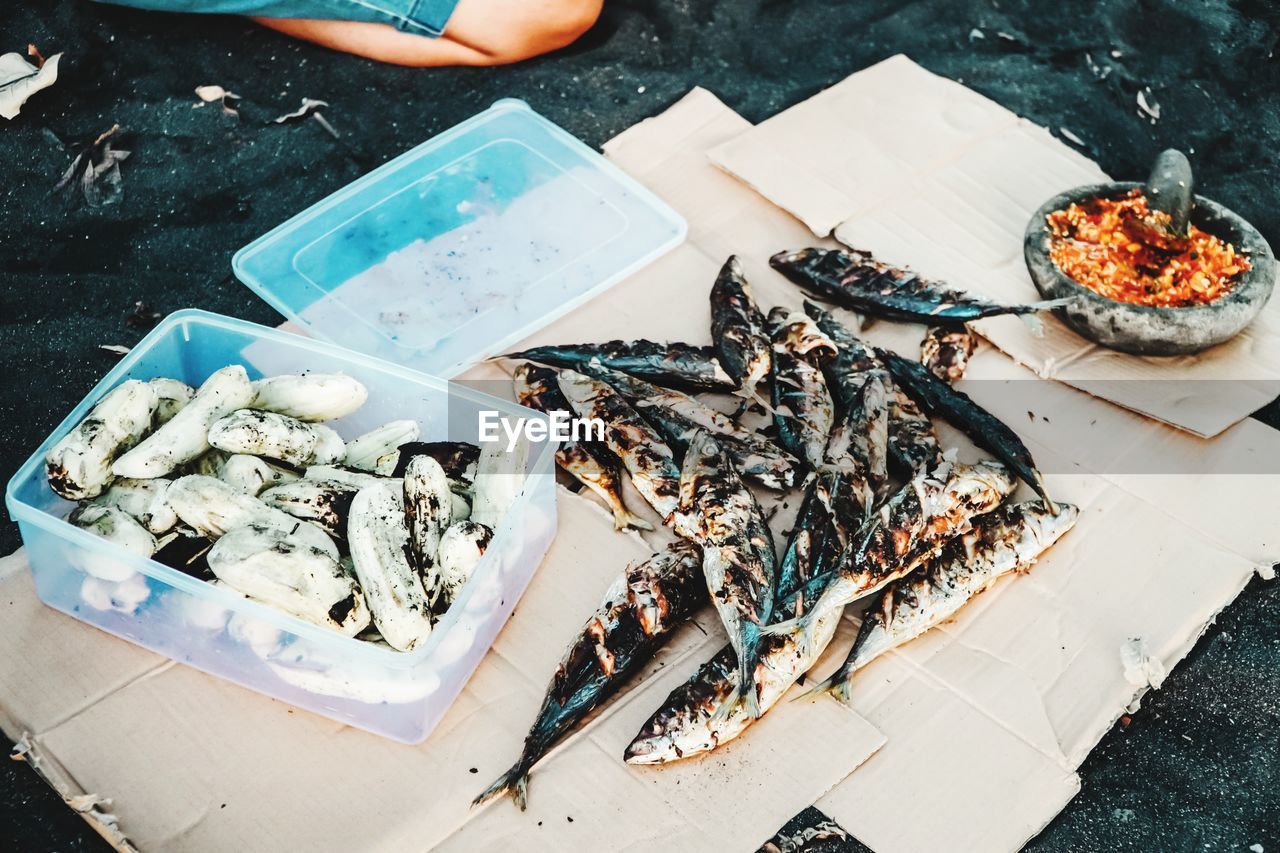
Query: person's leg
{"points": [[480, 32]]}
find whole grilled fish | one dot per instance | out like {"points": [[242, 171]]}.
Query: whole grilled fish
{"points": [[738, 560], [908, 528], [644, 454], [679, 417], [958, 409], [913, 444], [802, 406], [589, 462], [738, 330], [860, 387], [855, 279], [945, 351], [674, 365], [635, 618], [1007, 540], [704, 712]]}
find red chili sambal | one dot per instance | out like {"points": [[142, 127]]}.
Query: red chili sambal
{"points": [[1092, 243]]}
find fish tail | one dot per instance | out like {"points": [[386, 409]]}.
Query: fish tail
{"points": [[624, 518], [815, 690], [514, 782], [1038, 485], [747, 668]]}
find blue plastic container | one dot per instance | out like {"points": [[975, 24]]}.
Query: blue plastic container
{"points": [[463, 246]]}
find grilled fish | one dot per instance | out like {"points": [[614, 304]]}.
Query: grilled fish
{"points": [[591, 463], [738, 330], [738, 560], [856, 280], [638, 613], [674, 365], [957, 408], [1007, 540], [703, 712], [860, 387], [934, 506], [647, 458], [679, 417], [945, 351], [802, 406]]}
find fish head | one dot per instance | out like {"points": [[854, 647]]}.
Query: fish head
{"points": [[981, 486]]}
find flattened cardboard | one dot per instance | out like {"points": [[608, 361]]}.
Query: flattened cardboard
{"points": [[984, 720], [926, 173]]}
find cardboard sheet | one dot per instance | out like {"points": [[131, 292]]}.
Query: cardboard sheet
{"points": [[985, 719], [926, 173]]}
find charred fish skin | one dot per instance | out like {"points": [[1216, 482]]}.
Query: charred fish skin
{"points": [[945, 351], [738, 329], [913, 443], [1009, 539], [934, 506], [678, 417], [854, 279], [958, 408], [673, 365], [457, 458], [803, 410], [738, 558], [647, 458], [637, 615], [705, 712], [589, 462], [860, 387]]}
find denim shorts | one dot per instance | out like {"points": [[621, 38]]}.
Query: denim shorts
{"points": [[420, 17]]}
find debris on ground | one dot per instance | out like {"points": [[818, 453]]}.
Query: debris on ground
{"points": [[210, 94], [310, 109], [1148, 106], [115, 348], [97, 170], [19, 79], [143, 316]]}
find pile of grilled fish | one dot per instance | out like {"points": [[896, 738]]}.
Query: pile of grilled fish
{"points": [[847, 421], [240, 483]]}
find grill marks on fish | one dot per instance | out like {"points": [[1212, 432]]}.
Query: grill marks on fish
{"points": [[647, 458], [946, 351], [738, 559], [1007, 540], [861, 388], [934, 506], [803, 409], [635, 618], [913, 443], [591, 463], [738, 329], [957, 408], [854, 279], [673, 365], [679, 417]]}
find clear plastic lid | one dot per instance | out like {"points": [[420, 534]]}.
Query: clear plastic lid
{"points": [[459, 248]]}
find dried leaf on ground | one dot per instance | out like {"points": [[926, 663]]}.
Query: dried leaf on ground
{"points": [[309, 105], [213, 93], [97, 170], [19, 80]]}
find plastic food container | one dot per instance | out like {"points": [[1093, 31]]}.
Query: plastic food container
{"points": [[463, 246], [426, 265], [398, 694]]}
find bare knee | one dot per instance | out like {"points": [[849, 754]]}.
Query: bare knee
{"points": [[548, 25]]}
